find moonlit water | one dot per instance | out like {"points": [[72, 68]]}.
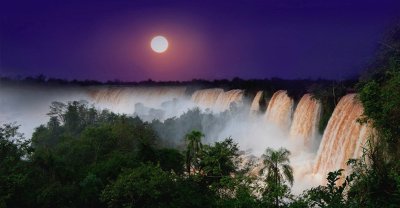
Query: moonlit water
{"points": [[217, 99], [254, 132], [280, 109], [255, 104], [308, 109], [342, 138], [147, 102]]}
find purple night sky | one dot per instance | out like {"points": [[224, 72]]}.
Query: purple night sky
{"points": [[106, 40]]}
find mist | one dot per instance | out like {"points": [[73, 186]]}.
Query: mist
{"points": [[172, 112]]}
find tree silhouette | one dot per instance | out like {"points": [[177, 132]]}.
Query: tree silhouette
{"points": [[193, 148], [278, 171]]}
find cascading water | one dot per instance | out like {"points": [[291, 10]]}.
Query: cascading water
{"points": [[343, 137], [255, 105], [217, 99], [120, 96], [280, 109], [305, 121], [225, 99], [207, 97], [136, 99]]}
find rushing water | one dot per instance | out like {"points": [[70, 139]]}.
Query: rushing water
{"points": [[305, 121], [255, 105], [254, 132], [217, 99], [280, 109], [342, 138]]}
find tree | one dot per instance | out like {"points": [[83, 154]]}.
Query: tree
{"points": [[236, 191], [388, 49], [378, 184], [13, 169], [57, 110], [74, 160], [144, 186], [194, 146], [278, 172], [219, 160], [331, 195], [171, 160]]}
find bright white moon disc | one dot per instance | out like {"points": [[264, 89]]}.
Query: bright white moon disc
{"points": [[159, 44]]}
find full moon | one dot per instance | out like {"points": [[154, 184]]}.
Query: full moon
{"points": [[159, 44]]}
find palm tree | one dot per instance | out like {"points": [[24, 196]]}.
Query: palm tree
{"points": [[277, 164], [194, 146]]}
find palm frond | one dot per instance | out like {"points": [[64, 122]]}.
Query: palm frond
{"points": [[288, 173]]}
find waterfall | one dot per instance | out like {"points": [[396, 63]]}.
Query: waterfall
{"points": [[305, 121], [217, 99], [207, 97], [255, 105], [280, 109], [126, 99], [343, 137]]}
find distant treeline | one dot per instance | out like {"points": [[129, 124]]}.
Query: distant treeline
{"points": [[295, 87]]}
